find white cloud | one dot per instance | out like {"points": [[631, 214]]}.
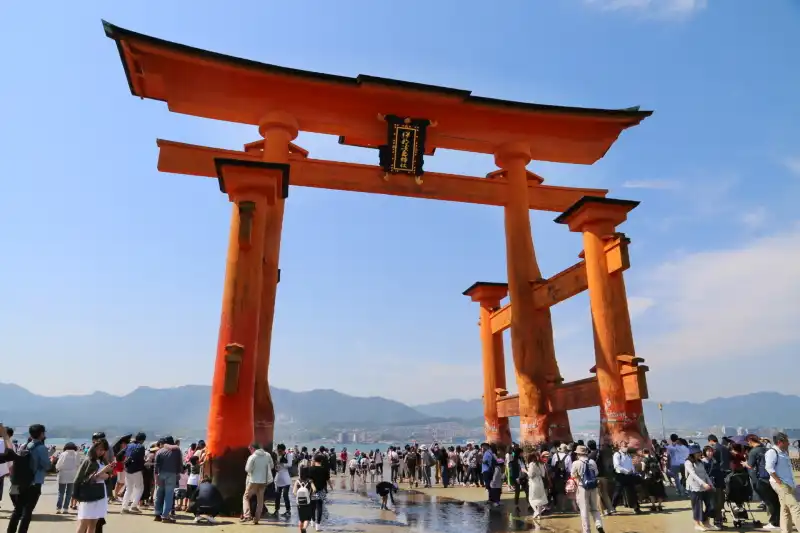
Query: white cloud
{"points": [[755, 218], [637, 305], [652, 184], [735, 303], [793, 164], [659, 8]]}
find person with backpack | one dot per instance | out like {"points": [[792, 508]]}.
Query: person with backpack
{"points": [[585, 473], [559, 474], [759, 478], [134, 476], [27, 478], [302, 491], [653, 480]]}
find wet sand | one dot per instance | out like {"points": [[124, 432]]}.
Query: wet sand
{"points": [[451, 510]]}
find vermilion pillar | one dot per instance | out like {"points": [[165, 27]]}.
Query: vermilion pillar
{"points": [[252, 187], [278, 130], [624, 337], [529, 328], [489, 296], [597, 219]]}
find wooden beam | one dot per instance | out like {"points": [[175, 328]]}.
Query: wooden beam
{"points": [[180, 158], [578, 394], [566, 284]]}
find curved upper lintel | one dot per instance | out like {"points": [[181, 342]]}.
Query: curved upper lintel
{"points": [[207, 84]]}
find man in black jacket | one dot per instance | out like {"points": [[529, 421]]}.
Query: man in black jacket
{"points": [[760, 480], [134, 468]]}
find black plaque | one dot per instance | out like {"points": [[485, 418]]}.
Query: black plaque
{"points": [[404, 150]]}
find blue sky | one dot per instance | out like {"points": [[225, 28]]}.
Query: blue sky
{"points": [[113, 272]]}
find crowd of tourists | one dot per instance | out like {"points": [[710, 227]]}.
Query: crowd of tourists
{"points": [[555, 478]]}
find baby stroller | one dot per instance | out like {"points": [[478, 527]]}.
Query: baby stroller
{"points": [[738, 495]]}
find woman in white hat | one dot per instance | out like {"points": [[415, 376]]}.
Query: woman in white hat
{"points": [[537, 493], [585, 473]]}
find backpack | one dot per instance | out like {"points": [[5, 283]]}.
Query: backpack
{"points": [[589, 477], [395, 460], [303, 494], [560, 469], [22, 473]]}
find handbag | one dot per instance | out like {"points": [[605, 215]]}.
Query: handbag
{"points": [[571, 486], [89, 491]]}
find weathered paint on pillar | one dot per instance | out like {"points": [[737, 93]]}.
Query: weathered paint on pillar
{"points": [[230, 420], [529, 328], [489, 296], [278, 130], [597, 219], [625, 345]]}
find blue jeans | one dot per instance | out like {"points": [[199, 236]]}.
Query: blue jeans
{"points": [[165, 493], [678, 475], [64, 495]]}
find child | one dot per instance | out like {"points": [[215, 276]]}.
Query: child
{"points": [[302, 490], [181, 502], [194, 479], [386, 491]]}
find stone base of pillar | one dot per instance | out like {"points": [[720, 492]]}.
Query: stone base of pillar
{"points": [[497, 431], [558, 427], [629, 430], [533, 429], [228, 475]]}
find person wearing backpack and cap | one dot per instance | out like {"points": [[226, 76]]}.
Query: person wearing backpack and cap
{"points": [[584, 471], [27, 478], [303, 489]]}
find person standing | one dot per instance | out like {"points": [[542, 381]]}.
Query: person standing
{"points": [[283, 481], [677, 453], [134, 474], [700, 488], [92, 489], [321, 478], [537, 495], [28, 481], [67, 467], [779, 467], [586, 474], [259, 474], [760, 479], [626, 480], [169, 461]]}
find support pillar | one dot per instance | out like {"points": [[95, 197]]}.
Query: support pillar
{"points": [[597, 219], [489, 295], [230, 420], [278, 130], [625, 345], [531, 334]]}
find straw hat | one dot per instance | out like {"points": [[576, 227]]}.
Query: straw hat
{"points": [[582, 450]]}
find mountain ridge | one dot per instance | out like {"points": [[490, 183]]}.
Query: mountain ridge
{"points": [[188, 410]]}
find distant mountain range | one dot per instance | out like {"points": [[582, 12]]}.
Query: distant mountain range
{"points": [[185, 410], [760, 409]]}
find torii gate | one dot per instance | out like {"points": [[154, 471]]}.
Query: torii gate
{"points": [[405, 122]]}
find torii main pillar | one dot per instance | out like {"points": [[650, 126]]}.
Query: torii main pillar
{"points": [[489, 295], [621, 421], [254, 189], [531, 329], [278, 130]]}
